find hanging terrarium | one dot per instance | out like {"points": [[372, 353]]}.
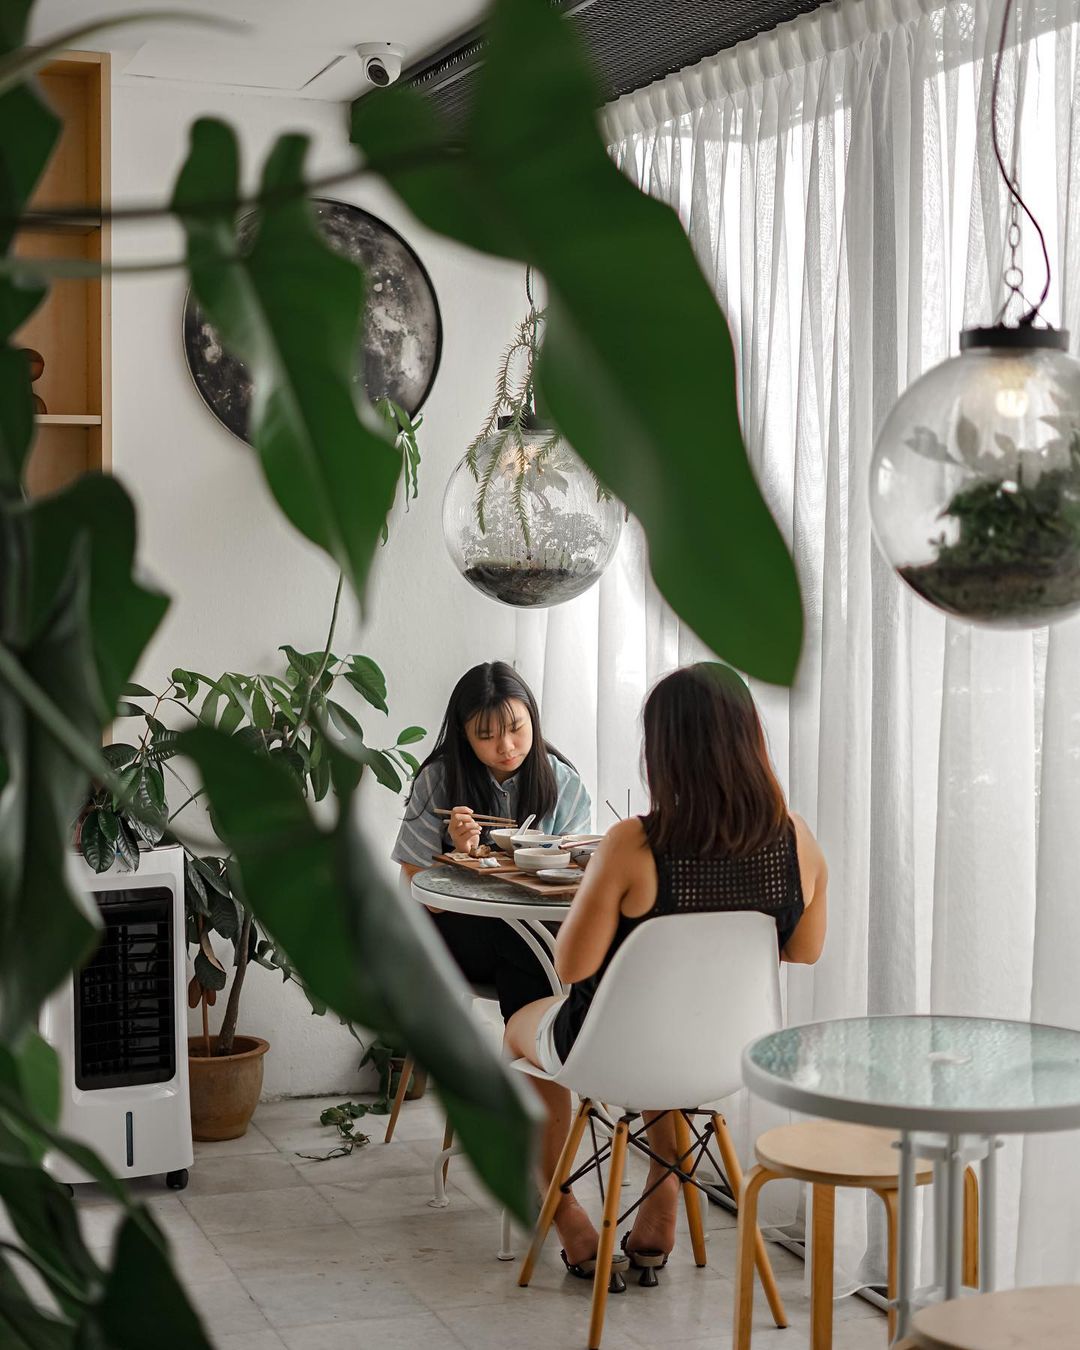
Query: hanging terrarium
{"points": [[525, 520], [975, 489], [975, 481]]}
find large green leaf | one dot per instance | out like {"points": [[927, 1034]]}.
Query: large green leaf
{"points": [[364, 949], [291, 309], [73, 621], [44, 1218], [123, 613], [637, 367], [28, 131]]}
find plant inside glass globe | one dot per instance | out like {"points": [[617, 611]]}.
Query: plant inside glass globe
{"points": [[526, 521], [975, 486]]}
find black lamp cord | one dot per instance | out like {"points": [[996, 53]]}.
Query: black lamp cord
{"points": [[1014, 276]]}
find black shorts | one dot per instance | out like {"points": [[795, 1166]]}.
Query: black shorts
{"points": [[488, 951]]}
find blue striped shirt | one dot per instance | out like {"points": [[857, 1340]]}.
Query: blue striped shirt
{"points": [[421, 835]]}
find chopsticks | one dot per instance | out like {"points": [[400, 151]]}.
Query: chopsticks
{"points": [[480, 820]]}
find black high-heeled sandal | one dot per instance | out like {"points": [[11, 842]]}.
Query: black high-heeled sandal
{"points": [[648, 1260], [586, 1270]]}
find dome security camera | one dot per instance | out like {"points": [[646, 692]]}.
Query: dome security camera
{"points": [[381, 62]]}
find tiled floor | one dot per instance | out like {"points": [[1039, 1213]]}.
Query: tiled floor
{"points": [[280, 1252]]}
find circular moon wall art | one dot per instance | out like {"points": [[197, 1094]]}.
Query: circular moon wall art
{"points": [[402, 340]]}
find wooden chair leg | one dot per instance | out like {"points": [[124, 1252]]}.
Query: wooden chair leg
{"points": [[554, 1193], [606, 1249], [822, 1242], [971, 1229], [447, 1143], [691, 1196], [399, 1097], [892, 1229], [730, 1160], [744, 1262]]}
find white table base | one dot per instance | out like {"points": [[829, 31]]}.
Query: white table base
{"points": [[950, 1155]]}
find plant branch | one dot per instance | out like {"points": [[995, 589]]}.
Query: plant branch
{"points": [[306, 706], [217, 206]]}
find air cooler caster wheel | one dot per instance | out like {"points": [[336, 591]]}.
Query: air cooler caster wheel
{"points": [[177, 1181]]}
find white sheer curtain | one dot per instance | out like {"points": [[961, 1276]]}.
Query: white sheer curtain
{"points": [[836, 180]]}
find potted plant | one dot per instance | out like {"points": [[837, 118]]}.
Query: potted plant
{"points": [[290, 717]]}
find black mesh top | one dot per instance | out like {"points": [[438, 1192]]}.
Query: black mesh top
{"points": [[767, 881]]}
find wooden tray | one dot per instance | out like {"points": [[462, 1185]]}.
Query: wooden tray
{"points": [[506, 871]]}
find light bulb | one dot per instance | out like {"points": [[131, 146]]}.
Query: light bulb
{"points": [[1010, 401]]}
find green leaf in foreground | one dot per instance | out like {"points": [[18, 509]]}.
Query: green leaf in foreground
{"points": [[637, 367], [365, 949], [291, 309]]}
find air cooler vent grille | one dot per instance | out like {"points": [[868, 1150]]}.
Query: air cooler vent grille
{"points": [[124, 997]]}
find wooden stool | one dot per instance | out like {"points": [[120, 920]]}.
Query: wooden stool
{"points": [[828, 1154], [1015, 1319]]}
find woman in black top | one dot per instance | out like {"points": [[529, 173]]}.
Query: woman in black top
{"points": [[718, 836]]}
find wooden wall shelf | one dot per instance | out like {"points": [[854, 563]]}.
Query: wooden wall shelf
{"points": [[71, 327], [68, 419]]}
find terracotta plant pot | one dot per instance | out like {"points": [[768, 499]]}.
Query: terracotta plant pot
{"points": [[224, 1088]]}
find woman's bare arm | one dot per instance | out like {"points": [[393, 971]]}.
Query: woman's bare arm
{"points": [[808, 940], [589, 929]]}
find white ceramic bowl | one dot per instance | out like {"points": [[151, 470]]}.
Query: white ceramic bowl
{"points": [[533, 838], [502, 839], [533, 859]]}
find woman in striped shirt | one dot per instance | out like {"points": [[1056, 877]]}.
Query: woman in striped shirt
{"points": [[490, 758]]}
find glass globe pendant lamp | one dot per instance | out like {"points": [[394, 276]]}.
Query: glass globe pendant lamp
{"points": [[975, 482], [524, 519], [975, 477]]}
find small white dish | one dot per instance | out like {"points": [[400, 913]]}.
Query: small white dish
{"points": [[535, 859], [580, 840], [566, 876]]}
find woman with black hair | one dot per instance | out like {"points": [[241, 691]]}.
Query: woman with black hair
{"points": [[490, 758]]}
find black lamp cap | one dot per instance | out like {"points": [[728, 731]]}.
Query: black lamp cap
{"points": [[1025, 338], [530, 421]]}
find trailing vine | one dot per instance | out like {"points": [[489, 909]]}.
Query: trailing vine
{"points": [[512, 414]]}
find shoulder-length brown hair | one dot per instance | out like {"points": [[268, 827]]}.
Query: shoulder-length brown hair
{"points": [[712, 786]]}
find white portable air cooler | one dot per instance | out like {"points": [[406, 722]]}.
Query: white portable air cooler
{"points": [[119, 1026]]}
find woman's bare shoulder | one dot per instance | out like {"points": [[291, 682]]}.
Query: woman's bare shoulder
{"points": [[628, 836], [811, 858]]}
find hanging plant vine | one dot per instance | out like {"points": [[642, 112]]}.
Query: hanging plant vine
{"points": [[513, 412]]}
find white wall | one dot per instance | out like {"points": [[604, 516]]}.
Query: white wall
{"points": [[242, 580]]}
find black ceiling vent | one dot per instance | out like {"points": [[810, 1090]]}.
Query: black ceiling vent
{"points": [[631, 42]]}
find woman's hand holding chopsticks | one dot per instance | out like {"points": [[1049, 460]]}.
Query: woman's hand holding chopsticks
{"points": [[464, 829]]}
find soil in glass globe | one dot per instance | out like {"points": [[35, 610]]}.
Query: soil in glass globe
{"points": [[975, 482], [525, 521]]}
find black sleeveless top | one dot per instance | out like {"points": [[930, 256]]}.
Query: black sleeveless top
{"points": [[767, 881]]}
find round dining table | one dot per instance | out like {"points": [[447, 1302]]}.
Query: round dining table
{"points": [[527, 912], [951, 1086]]}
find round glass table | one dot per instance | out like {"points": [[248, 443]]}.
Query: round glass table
{"points": [[950, 1085], [452, 888]]}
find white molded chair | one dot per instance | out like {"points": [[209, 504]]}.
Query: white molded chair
{"points": [[682, 997]]}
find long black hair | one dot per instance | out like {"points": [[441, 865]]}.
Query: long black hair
{"points": [[486, 691]]}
